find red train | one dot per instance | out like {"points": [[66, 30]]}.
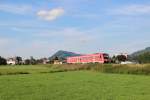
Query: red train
{"points": [[91, 58]]}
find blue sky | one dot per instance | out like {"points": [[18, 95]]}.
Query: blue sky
{"points": [[41, 27]]}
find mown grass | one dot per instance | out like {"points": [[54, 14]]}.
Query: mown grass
{"points": [[74, 85], [24, 69]]}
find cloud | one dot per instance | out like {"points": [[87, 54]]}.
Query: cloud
{"points": [[132, 10], [50, 15], [15, 9]]}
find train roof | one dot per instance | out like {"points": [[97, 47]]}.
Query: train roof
{"points": [[88, 55]]}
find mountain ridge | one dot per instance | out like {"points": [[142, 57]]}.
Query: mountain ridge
{"points": [[62, 55], [140, 52]]}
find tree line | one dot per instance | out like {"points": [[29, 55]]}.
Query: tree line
{"points": [[3, 61], [142, 58], [20, 61]]}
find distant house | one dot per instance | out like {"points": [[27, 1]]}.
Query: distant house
{"points": [[14, 61], [126, 62], [11, 61], [56, 60], [45, 61]]}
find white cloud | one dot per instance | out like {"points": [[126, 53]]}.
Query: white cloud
{"points": [[16, 9], [135, 9], [50, 14]]}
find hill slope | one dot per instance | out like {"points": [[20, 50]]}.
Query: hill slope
{"points": [[62, 55], [140, 52]]}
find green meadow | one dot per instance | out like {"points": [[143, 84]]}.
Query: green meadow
{"points": [[45, 82]]}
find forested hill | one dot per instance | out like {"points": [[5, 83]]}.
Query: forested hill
{"points": [[62, 55], [137, 53]]}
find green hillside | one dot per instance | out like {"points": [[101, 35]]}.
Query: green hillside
{"points": [[137, 53], [62, 55], [142, 56]]}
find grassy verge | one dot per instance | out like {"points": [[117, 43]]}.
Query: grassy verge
{"points": [[104, 68], [143, 69]]}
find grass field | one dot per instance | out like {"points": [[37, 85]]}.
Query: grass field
{"points": [[24, 69], [74, 85]]}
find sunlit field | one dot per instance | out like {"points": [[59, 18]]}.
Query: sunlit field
{"points": [[41, 82]]}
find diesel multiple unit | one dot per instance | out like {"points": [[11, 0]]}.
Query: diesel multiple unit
{"points": [[90, 58]]}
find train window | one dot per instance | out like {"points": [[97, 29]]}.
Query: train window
{"points": [[100, 56], [106, 56]]}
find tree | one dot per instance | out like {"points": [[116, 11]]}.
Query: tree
{"points": [[27, 62], [143, 58], [3, 61], [121, 58], [39, 61], [32, 61], [113, 59], [19, 60], [118, 58]]}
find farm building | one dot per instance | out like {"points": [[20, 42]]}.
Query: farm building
{"points": [[11, 61], [56, 60], [14, 60]]}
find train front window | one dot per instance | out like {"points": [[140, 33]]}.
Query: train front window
{"points": [[106, 56]]}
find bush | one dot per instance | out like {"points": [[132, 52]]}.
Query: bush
{"points": [[3, 61], [143, 58]]}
